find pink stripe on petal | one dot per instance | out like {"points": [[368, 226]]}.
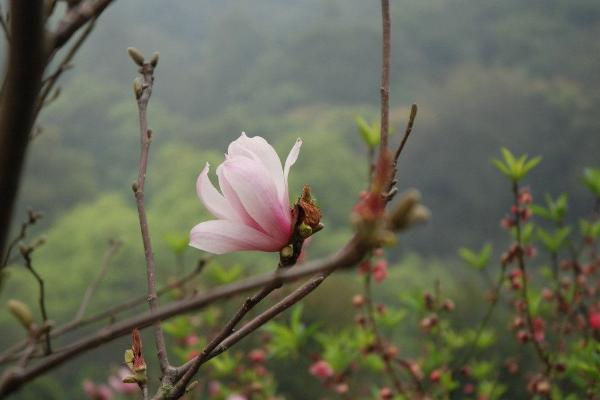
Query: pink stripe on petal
{"points": [[220, 237], [234, 201], [259, 196], [211, 198]]}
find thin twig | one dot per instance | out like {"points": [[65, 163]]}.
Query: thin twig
{"points": [[50, 81], [32, 218], [525, 292], [75, 18], [407, 132], [385, 76], [143, 97], [112, 250], [379, 346], [112, 312], [41, 297]]}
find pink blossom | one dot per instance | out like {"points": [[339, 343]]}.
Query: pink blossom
{"points": [[380, 271], [253, 209], [594, 320], [117, 384], [236, 396], [97, 392], [321, 369]]}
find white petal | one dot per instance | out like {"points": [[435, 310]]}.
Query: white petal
{"points": [[290, 160], [211, 198], [220, 236]]}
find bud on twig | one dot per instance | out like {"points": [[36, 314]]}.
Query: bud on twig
{"points": [[22, 312], [136, 55], [400, 214], [154, 59], [138, 87]]}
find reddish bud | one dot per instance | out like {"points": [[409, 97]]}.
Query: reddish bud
{"points": [[380, 270], [523, 336], [428, 300], [321, 369], [594, 320], [469, 388], [342, 388], [435, 376], [386, 394], [358, 300], [448, 305], [257, 356]]}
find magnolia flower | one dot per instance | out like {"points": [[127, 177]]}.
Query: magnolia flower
{"points": [[253, 208]]}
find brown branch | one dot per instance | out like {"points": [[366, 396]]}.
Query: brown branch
{"points": [[143, 94], [385, 76], [32, 218], [407, 132], [26, 252], [351, 254], [543, 356], [50, 81], [19, 93], [112, 250], [75, 18], [9, 354]]}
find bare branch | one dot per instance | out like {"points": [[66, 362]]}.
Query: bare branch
{"points": [[385, 76], [143, 94], [351, 254], [75, 18], [19, 93]]}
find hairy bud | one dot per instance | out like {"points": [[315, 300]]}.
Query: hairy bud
{"points": [[154, 59], [138, 87], [136, 55]]}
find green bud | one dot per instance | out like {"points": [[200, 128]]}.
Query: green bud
{"points": [[305, 230], [136, 55], [287, 251], [129, 356], [22, 312], [129, 379], [138, 87]]}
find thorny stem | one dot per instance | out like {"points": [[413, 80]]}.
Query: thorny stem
{"points": [[525, 292], [143, 97], [379, 346]]}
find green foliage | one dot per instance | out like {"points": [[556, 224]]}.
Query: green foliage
{"points": [[591, 178], [553, 242], [589, 229], [554, 211], [515, 168], [286, 339], [477, 260], [527, 231], [368, 132]]}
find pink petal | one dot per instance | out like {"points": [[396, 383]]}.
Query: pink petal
{"points": [[258, 194], [211, 198], [259, 149], [290, 160], [234, 201], [220, 236]]}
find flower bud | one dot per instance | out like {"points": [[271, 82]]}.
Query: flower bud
{"points": [[22, 312], [399, 216], [138, 87], [154, 59], [136, 55]]}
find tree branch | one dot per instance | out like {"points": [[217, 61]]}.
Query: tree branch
{"points": [[351, 254], [385, 75], [75, 18], [143, 94], [19, 93]]}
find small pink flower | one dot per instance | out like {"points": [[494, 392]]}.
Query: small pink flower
{"points": [[117, 384], [594, 320], [321, 369], [380, 271], [191, 340], [539, 329], [236, 396], [253, 209], [97, 392]]}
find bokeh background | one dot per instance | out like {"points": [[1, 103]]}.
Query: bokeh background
{"points": [[520, 74]]}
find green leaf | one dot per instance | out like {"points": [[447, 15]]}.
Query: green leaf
{"points": [[369, 133], [177, 243], [529, 165], [501, 167], [591, 179], [476, 260]]}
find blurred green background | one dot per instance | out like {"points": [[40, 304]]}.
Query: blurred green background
{"points": [[520, 74]]}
